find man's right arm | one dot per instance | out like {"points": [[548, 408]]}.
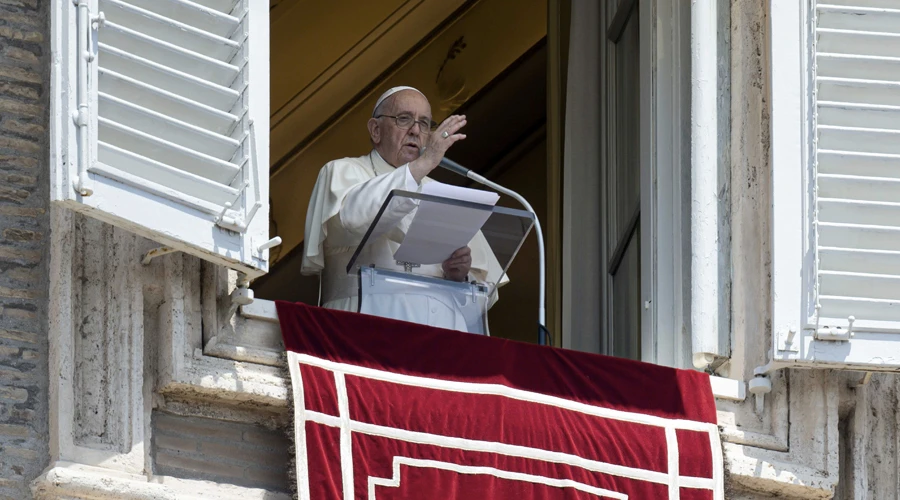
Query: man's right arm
{"points": [[346, 193], [363, 200]]}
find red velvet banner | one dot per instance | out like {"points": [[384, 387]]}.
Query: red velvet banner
{"points": [[391, 410]]}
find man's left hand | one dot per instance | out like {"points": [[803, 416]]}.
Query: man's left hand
{"points": [[457, 266]]}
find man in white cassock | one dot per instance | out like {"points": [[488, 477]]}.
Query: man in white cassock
{"points": [[407, 146]]}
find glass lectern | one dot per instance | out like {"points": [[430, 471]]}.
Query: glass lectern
{"points": [[422, 226]]}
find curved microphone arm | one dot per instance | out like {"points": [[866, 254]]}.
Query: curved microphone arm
{"points": [[542, 265]]}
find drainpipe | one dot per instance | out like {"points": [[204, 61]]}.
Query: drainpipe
{"points": [[704, 185]]}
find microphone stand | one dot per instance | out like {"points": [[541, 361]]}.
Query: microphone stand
{"points": [[542, 264]]}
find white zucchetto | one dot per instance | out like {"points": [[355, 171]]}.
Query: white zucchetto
{"points": [[391, 91]]}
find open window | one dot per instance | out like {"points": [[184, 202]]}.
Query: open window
{"points": [[161, 122], [493, 61], [836, 185], [486, 59]]}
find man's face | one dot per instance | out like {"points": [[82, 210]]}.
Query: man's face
{"points": [[397, 145]]}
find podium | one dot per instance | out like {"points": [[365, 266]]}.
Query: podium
{"points": [[402, 289]]}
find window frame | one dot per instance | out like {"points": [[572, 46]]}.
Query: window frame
{"points": [[665, 165], [665, 150], [615, 237]]}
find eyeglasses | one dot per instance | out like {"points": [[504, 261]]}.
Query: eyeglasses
{"points": [[407, 121]]}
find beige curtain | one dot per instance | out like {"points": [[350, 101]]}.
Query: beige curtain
{"points": [[582, 268]]}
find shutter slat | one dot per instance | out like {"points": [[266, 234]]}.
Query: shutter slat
{"points": [[855, 260], [882, 4], [862, 43], [852, 211], [169, 55], [857, 188], [859, 91], [168, 192], [863, 140], [223, 6], [160, 173], [859, 18], [188, 86], [163, 28], [858, 67], [167, 128], [194, 14], [859, 115], [166, 152], [869, 309], [166, 102], [862, 236], [862, 164], [869, 286]]}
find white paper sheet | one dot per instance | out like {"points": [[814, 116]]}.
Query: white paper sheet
{"points": [[438, 230]]}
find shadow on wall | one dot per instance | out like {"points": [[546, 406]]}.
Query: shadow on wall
{"points": [[288, 284]]}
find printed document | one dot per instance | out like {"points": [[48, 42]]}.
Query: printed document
{"points": [[438, 229]]}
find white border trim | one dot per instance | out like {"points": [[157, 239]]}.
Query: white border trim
{"points": [[510, 450], [509, 392], [302, 455], [346, 445], [394, 482], [673, 465]]}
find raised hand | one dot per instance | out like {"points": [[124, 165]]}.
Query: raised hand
{"points": [[436, 146]]}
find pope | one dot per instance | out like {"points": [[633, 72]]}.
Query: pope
{"points": [[406, 146]]}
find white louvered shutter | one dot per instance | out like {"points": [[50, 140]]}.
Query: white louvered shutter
{"points": [[837, 252], [172, 138]]}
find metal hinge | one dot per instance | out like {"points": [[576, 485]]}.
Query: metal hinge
{"points": [[835, 333], [789, 342]]}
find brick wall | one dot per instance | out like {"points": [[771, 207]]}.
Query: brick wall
{"points": [[224, 452], [24, 221]]}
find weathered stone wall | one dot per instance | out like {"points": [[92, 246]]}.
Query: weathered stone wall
{"points": [[24, 199], [225, 452], [137, 409]]}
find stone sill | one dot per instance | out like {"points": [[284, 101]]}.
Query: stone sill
{"points": [[76, 481], [228, 381]]}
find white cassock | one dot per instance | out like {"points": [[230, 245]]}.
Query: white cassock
{"points": [[347, 196]]}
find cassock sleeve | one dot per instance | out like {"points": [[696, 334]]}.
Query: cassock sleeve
{"points": [[345, 189]]}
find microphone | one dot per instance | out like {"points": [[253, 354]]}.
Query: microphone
{"points": [[454, 167], [458, 169]]}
